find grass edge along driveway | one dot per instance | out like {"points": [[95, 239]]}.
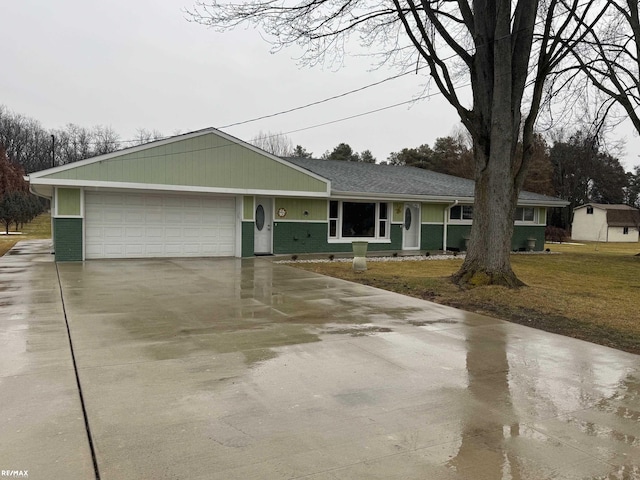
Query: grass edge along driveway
{"points": [[588, 291]]}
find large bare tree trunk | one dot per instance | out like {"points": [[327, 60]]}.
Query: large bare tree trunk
{"points": [[498, 77], [488, 257], [490, 40]]}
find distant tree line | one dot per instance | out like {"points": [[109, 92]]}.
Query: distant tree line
{"points": [[575, 169], [17, 205], [26, 147], [28, 144]]}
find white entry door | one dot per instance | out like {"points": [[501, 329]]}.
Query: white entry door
{"points": [[262, 232], [411, 227]]}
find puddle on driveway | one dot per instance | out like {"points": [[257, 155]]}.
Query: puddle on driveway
{"points": [[356, 330], [249, 377], [424, 323]]}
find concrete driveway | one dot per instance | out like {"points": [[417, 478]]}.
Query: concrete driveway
{"points": [[242, 369]]}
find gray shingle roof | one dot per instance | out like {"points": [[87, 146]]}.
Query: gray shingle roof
{"points": [[370, 178]]}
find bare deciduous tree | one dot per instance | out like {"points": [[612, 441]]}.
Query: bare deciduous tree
{"points": [[609, 56], [505, 49], [277, 144]]}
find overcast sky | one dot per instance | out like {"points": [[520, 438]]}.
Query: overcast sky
{"points": [[139, 64]]}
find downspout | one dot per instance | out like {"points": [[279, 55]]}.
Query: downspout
{"points": [[447, 211]]}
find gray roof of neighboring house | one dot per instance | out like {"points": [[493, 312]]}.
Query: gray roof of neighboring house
{"points": [[371, 178]]}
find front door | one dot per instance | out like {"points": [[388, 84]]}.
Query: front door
{"points": [[411, 227], [262, 226]]}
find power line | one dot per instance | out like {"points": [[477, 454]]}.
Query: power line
{"points": [[342, 95], [318, 102]]}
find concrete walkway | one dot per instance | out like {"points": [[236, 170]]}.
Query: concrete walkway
{"points": [[242, 369]]}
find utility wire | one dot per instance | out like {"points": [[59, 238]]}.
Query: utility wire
{"points": [[301, 107], [344, 94]]}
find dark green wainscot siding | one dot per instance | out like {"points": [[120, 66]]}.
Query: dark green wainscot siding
{"points": [[308, 237], [247, 239], [522, 233], [431, 237], [67, 234], [456, 237]]}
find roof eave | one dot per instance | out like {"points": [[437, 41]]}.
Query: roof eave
{"points": [[440, 198]]}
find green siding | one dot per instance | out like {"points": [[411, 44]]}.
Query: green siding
{"points": [[433, 213], [247, 239], [205, 161], [247, 208], [398, 212], [295, 207], [431, 237], [67, 235], [456, 235], [299, 237], [68, 201], [523, 232]]}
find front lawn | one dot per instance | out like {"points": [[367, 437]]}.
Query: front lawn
{"points": [[589, 291], [39, 227]]}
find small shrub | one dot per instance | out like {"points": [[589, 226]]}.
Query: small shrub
{"points": [[294, 257], [395, 254], [331, 257], [555, 234]]}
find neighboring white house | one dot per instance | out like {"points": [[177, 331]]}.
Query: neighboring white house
{"points": [[605, 223]]}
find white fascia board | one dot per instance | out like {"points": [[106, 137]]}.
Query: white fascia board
{"points": [[118, 153], [398, 197], [158, 143], [538, 203], [435, 199], [264, 153], [175, 188]]}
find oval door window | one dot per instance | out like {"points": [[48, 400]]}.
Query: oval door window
{"points": [[260, 218], [407, 218]]}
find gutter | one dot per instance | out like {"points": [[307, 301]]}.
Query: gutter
{"points": [[447, 211]]}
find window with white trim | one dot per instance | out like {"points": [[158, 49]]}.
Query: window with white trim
{"points": [[461, 212], [351, 220], [525, 214]]}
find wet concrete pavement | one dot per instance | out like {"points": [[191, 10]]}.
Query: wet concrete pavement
{"points": [[241, 369]]}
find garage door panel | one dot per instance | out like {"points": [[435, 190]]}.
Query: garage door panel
{"points": [[113, 217], [119, 225], [134, 250], [173, 216]]}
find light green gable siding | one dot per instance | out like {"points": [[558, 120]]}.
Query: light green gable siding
{"points": [[68, 201], [295, 207], [247, 208], [204, 161], [433, 213]]}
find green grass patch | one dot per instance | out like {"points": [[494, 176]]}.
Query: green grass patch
{"points": [[589, 291], [38, 228]]}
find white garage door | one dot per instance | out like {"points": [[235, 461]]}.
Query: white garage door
{"points": [[132, 225]]}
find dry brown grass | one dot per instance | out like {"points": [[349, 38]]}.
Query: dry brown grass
{"points": [[39, 227], [589, 291]]}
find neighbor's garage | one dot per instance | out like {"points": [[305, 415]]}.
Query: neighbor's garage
{"points": [[138, 225]]}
